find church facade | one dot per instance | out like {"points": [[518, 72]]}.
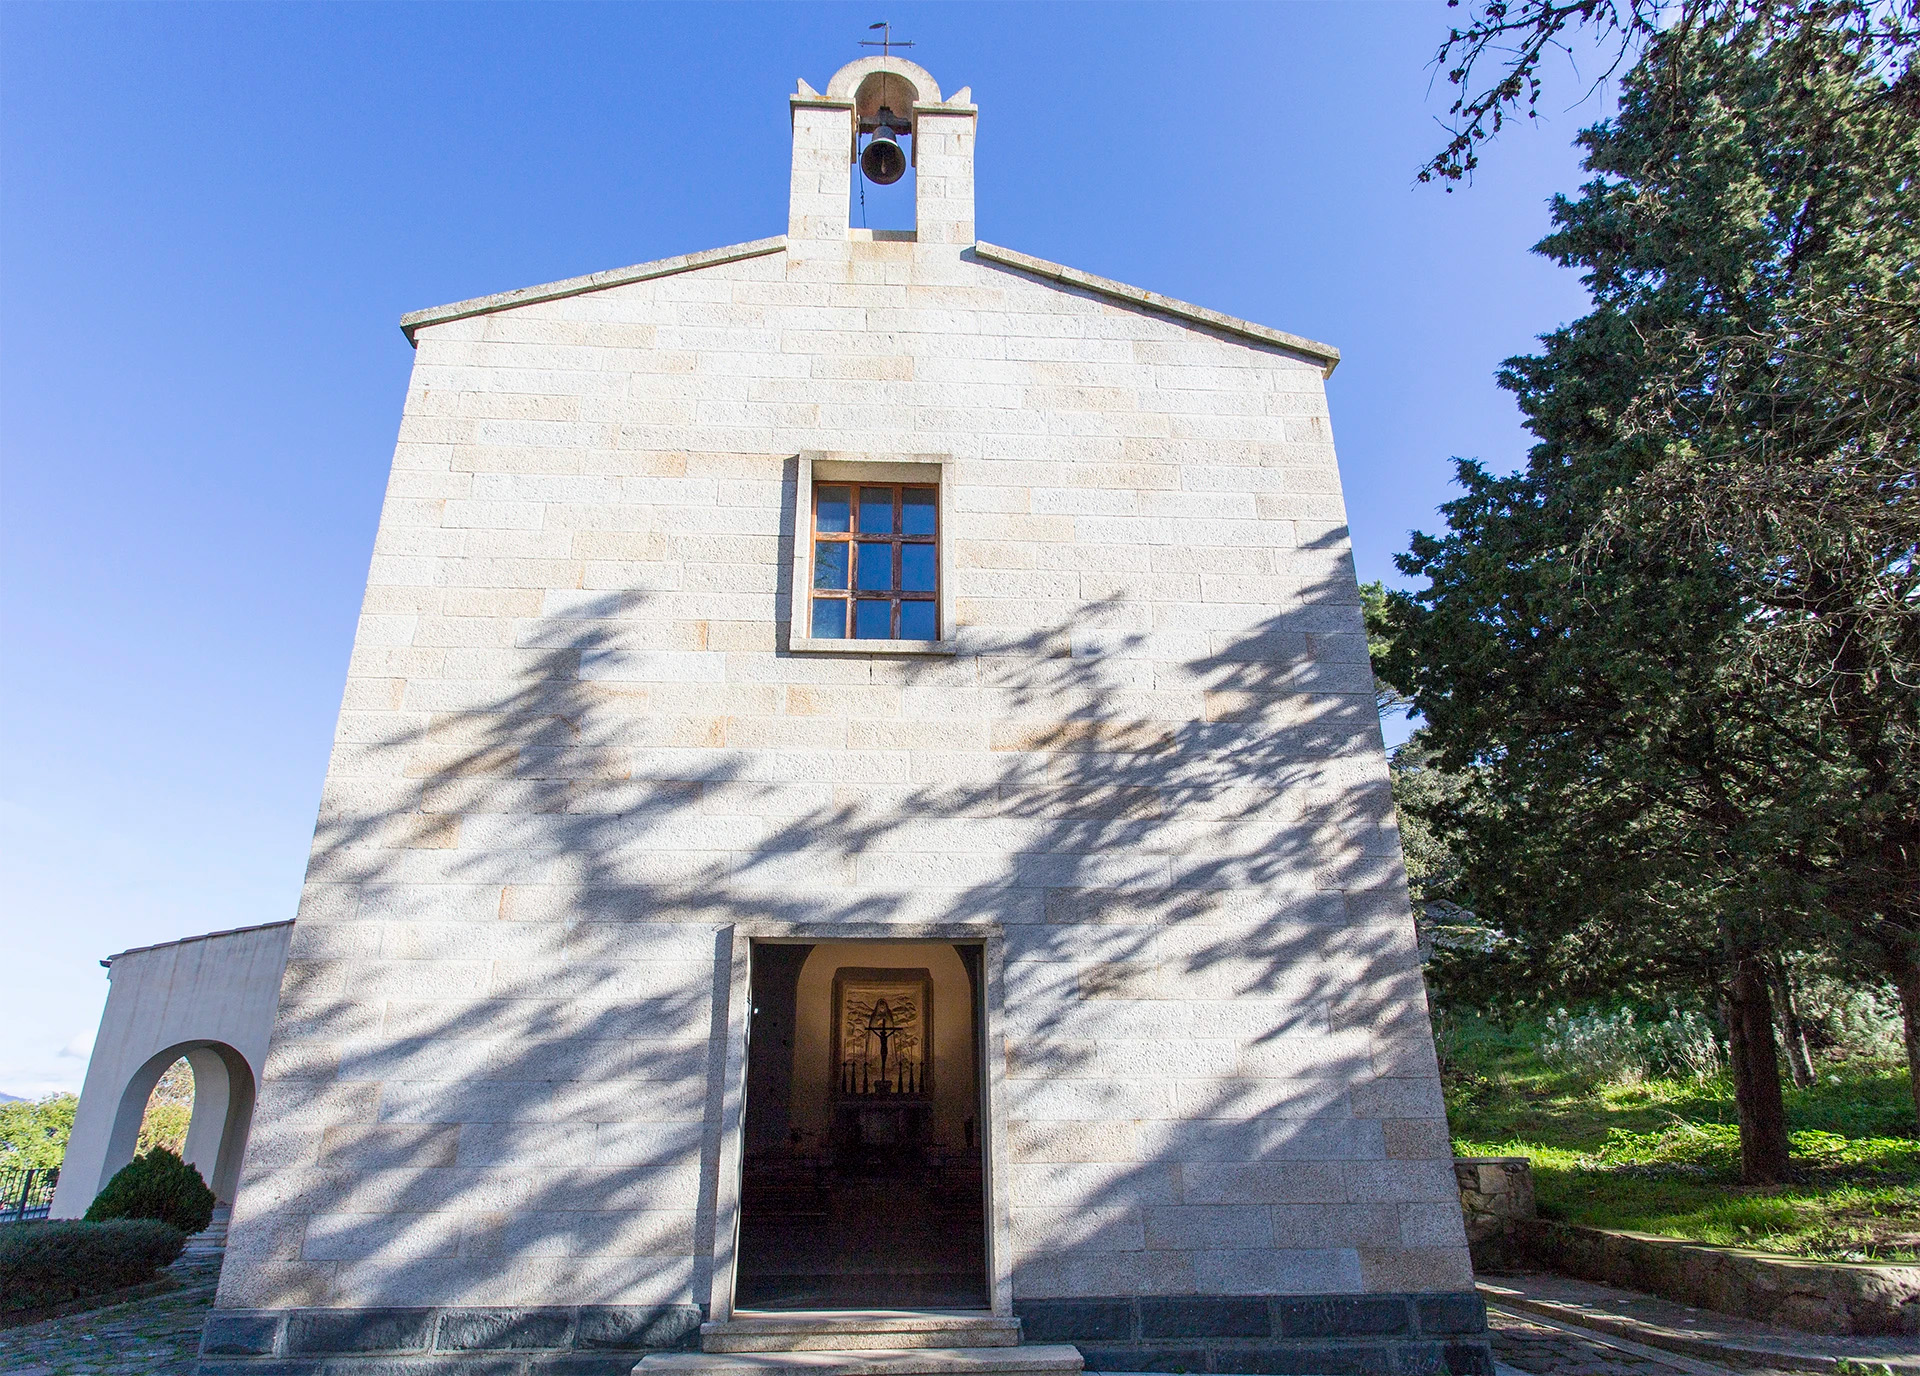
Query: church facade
{"points": [[858, 789]]}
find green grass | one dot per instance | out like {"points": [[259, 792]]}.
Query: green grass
{"points": [[1662, 1156]]}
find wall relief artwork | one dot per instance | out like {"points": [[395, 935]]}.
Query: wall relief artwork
{"points": [[882, 1033]]}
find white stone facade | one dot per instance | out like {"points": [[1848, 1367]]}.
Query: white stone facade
{"points": [[576, 760]]}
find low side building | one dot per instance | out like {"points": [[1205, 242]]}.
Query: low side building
{"points": [[208, 998]]}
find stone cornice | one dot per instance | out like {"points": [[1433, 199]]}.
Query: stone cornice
{"points": [[1325, 355], [595, 281]]}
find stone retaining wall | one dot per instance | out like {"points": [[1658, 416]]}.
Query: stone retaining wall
{"points": [[1814, 1296], [1495, 1193]]}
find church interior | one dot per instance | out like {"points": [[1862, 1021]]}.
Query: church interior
{"points": [[862, 1184]]}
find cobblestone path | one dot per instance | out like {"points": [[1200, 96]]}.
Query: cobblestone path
{"points": [[158, 1336]]}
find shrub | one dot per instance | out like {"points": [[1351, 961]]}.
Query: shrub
{"points": [[1617, 1045], [156, 1184], [1852, 1019], [51, 1262]]}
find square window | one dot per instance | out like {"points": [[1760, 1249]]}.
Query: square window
{"points": [[876, 562]]}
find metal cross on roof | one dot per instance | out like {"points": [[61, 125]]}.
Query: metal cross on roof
{"points": [[887, 42]]}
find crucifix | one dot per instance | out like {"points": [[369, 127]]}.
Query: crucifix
{"points": [[886, 43]]}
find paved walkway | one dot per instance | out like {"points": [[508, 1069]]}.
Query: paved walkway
{"points": [[157, 1336], [1662, 1331], [1527, 1346]]}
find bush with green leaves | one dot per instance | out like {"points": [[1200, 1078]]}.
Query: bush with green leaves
{"points": [[1851, 1019], [46, 1263], [156, 1184], [1617, 1044]]}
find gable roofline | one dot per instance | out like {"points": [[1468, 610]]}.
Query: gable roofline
{"points": [[413, 321], [1325, 355], [188, 940]]}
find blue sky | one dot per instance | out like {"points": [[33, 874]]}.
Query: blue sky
{"points": [[211, 219]]}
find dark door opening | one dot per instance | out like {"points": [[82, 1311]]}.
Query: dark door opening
{"points": [[862, 1185]]}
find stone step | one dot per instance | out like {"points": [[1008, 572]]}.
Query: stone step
{"points": [[1042, 1360], [858, 1330]]}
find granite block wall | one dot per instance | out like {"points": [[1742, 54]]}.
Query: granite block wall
{"points": [[573, 752]]}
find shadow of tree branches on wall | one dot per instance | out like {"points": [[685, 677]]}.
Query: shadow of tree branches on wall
{"points": [[497, 1068]]}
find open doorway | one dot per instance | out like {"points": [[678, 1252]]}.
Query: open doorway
{"points": [[862, 1184]]}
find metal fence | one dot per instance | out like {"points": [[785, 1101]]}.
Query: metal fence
{"points": [[27, 1194]]}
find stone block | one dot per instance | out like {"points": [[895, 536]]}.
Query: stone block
{"points": [[1415, 1139], [1313, 1359], [1159, 1357], [1206, 1316], [1200, 1227], [1301, 1182], [365, 1330], [1415, 1268], [1382, 1182], [484, 1330], [1431, 1225], [1333, 1316], [1335, 1225], [636, 1326], [1469, 1359], [1119, 1229], [365, 1146], [1277, 1271], [1464, 1312], [1075, 1320], [1412, 1098], [239, 1334], [1068, 1274]]}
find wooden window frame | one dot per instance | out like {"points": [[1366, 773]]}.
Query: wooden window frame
{"points": [[896, 541], [819, 469]]}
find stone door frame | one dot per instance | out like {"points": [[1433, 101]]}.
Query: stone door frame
{"points": [[992, 1049]]}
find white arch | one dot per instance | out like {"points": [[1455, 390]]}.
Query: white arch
{"points": [[848, 81], [208, 998], [223, 1092]]}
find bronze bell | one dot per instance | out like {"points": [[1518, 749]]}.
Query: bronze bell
{"points": [[883, 161]]}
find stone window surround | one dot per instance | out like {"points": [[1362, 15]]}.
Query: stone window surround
{"points": [[737, 974], [817, 465]]}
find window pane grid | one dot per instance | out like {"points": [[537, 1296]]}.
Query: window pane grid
{"points": [[875, 562]]}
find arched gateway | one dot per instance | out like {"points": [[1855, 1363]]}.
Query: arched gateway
{"points": [[209, 998]]}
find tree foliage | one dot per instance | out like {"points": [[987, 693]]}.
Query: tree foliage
{"points": [[33, 1133], [1674, 658], [169, 1110], [1496, 61]]}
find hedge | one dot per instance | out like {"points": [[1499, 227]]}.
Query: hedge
{"points": [[45, 1263], [156, 1184]]}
